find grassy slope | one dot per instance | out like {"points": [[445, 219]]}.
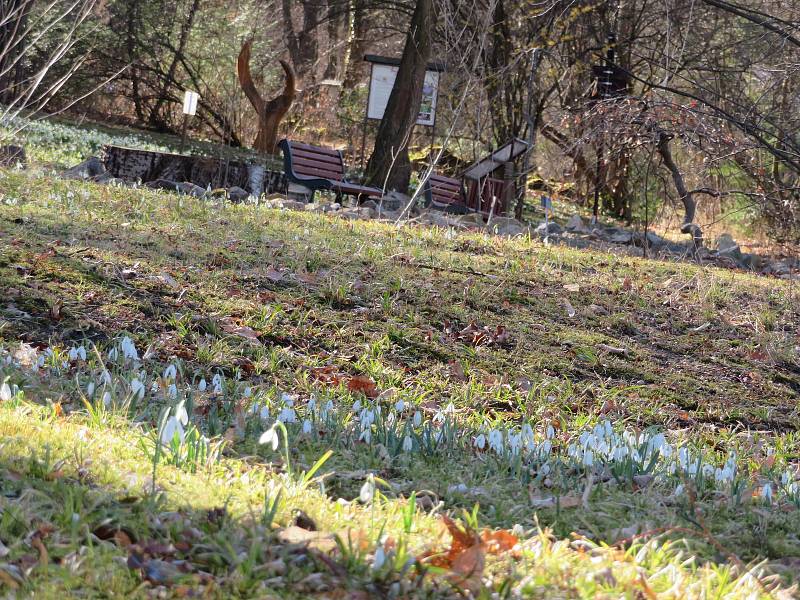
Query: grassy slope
{"points": [[712, 353]]}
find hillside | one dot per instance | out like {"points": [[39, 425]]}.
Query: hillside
{"points": [[611, 416]]}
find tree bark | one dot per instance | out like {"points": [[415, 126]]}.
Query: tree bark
{"points": [[270, 114], [389, 164], [689, 226]]}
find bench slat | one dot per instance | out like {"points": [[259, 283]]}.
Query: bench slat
{"points": [[314, 149]]}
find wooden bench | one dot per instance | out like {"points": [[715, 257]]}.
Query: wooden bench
{"points": [[445, 194], [318, 168]]}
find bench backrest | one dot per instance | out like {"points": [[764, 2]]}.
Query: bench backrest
{"points": [[316, 161], [444, 190]]}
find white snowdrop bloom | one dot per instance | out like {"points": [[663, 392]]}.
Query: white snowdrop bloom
{"points": [[270, 436], [73, 354], [312, 404], [400, 406], [216, 380], [170, 373], [218, 388], [172, 430], [307, 427], [379, 558], [154, 387], [766, 492], [480, 441], [287, 415], [708, 470], [679, 489], [172, 390], [263, 413], [588, 458], [137, 388], [107, 399], [287, 399], [65, 364], [113, 354], [514, 443], [248, 392], [408, 444], [545, 447], [106, 377], [327, 409], [450, 409], [583, 439], [527, 433], [417, 419], [202, 385], [598, 430], [181, 414], [390, 419], [545, 469], [550, 432], [496, 441], [366, 436], [357, 406], [40, 361], [438, 417], [785, 478], [129, 349], [5, 391], [607, 429], [90, 389], [367, 492], [81, 352], [367, 417]]}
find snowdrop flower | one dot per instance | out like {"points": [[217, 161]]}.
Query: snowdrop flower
{"points": [[550, 432], [248, 392], [327, 409], [137, 388], [417, 419], [287, 415], [154, 387], [287, 399], [202, 385], [379, 559], [270, 436], [766, 492], [40, 362], [400, 406], [170, 373], [106, 377], [218, 388], [366, 435], [307, 427], [113, 354], [172, 430], [480, 441], [679, 490], [216, 380], [450, 409], [367, 492], [588, 458], [73, 354], [5, 391], [357, 406], [81, 352], [172, 390], [90, 389], [261, 411], [312, 404], [181, 414], [107, 399], [545, 447], [129, 349], [496, 441], [514, 442], [408, 444]]}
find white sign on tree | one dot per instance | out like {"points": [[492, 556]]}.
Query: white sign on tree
{"points": [[380, 88], [190, 102]]}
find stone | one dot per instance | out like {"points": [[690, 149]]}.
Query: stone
{"points": [[507, 226], [185, 187], [576, 225], [285, 204], [237, 194], [12, 156], [621, 237], [473, 219], [727, 247], [440, 219], [91, 167], [394, 200], [549, 228], [370, 203]]}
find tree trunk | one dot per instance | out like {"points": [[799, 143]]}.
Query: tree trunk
{"points": [[689, 226], [270, 114], [389, 164]]}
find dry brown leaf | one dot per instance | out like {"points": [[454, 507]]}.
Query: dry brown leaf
{"points": [[572, 287], [273, 274], [248, 333], [44, 557], [497, 542], [311, 539], [364, 385]]}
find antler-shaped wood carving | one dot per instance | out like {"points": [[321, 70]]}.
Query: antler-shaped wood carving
{"points": [[270, 113]]}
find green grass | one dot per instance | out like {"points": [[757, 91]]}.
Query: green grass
{"points": [[298, 303]]}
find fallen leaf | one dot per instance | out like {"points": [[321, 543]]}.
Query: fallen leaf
{"points": [[568, 501], [44, 557], [273, 274], [497, 542], [248, 333], [311, 539], [364, 385], [572, 287]]}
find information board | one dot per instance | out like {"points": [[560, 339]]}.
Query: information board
{"points": [[380, 88]]}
